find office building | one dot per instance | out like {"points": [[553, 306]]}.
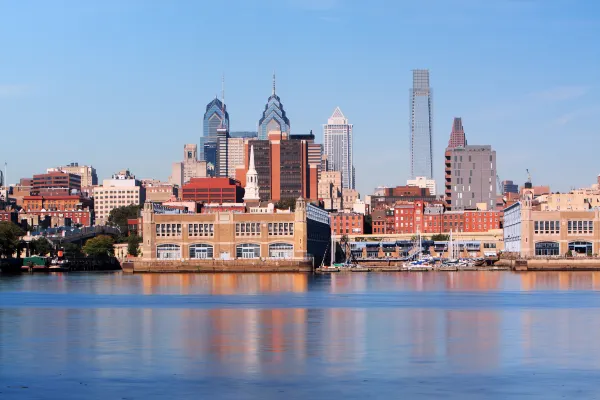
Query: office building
{"points": [[55, 183], [159, 192], [62, 210], [457, 135], [470, 176], [424, 183], [235, 149], [119, 191], [212, 190], [87, 173], [509, 187], [337, 138], [244, 134], [330, 190], [421, 126], [215, 116], [190, 167], [315, 151], [273, 117], [222, 167]]}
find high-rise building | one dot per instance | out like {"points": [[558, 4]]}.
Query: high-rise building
{"points": [[189, 168], [235, 148], [222, 167], [422, 182], [457, 136], [470, 176], [509, 187], [273, 117], [421, 126], [122, 190], [337, 138], [87, 173], [315, 151], [216, 116], [244, 134], [55, 183]]}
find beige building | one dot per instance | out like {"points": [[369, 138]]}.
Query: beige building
{"points": [[122, 190], [190, 167], [576, 200], [159, 192], [232, 235], [555, 233], [236, 155], [423, 183], [86, 172], [330, 189], [350, 196]]}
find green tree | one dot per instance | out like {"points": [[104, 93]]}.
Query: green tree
{"points": [[100, 246], [72, 250], [118, 217], [440, 237], [9, 238], [133, 243], [40, 246], [286, 204]]}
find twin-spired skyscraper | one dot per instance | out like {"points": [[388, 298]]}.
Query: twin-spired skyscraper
{"points": [[337, 138], [421, 126]]}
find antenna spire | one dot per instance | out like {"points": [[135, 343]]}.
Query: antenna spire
{"points": [[273, 82]]}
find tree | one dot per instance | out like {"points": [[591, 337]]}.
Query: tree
{"points": [[118, 217], [286, 204], [9, 238], [440, 237], [40, 246], [72, 250], [133, 243], [100, 246]]}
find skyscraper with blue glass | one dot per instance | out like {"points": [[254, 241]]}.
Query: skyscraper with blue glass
{"points": [[421, 126], [273, 118], [216, 116]]}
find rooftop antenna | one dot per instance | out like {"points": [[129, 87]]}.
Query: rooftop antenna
{"points": [[223, 100], [273, 82]]}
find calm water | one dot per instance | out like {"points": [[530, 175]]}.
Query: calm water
{"points": [[468, 335]]}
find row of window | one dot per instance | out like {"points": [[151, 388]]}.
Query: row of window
{"points": [[247, 229], [580, 227], [197, 230], [546, 227], [281, 229], [206, 251], [168, 230]]}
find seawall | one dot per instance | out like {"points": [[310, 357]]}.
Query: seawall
{"points": [[162, 266], [561, 264]]}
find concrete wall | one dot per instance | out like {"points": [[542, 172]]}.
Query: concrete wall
{"points": [[217, 266]]}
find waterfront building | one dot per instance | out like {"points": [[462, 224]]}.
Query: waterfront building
{"points": [[283, 169], [123, 189], [189, 168], [470, 175], [55, 183], [228, 235], [512, 228], [423, 182], [88, 174], [337, 140], [273, 117], [421, 126], [343, 223], [330, 190], [212, 190], [215, 116]]}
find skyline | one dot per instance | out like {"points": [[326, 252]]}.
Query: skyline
{"points": [[143, 81]]}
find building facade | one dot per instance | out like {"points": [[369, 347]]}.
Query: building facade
{"points": [[470, 175], [212, 190], [421, 126], [55, 183], [344, 223], [512, 228], [273, 117], [423, 183], [189, 168], [233, 235], [88, 174], [120, 191], [509, 187], [330, 190], [337, 138]]}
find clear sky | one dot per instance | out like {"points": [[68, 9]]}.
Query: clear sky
{"points": [[124, 83]]}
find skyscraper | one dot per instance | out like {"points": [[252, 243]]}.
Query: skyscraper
{"points": [[273, 117], [457, 136], [216, 116], [337, 138], [421, 125]]}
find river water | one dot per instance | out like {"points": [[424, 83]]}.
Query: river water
{"points": [[453, 335]]}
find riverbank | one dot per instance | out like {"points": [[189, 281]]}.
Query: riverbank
{"points": [[174, 266]]}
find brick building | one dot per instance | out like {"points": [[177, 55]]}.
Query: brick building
{"points": [[213, 190], [347, 223], [383, 221], [55, 183], [61, 209]]}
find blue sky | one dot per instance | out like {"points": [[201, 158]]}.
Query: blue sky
{"points": [[124, 83]]}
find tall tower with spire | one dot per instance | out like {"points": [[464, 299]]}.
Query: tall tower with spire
{"points": [[457, 136], [338, 147], [252, 190], [273, 117]]}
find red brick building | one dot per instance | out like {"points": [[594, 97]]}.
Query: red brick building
{"points": [[213, 190], [347, 223], [9, 215], [382, 220], [75, 208], [482, 221], [55, 183]]}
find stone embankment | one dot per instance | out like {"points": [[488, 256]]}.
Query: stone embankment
{"points": [[552, 264], [140, 265]]}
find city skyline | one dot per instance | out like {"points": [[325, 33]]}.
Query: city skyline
{"points": [[131, 87]]}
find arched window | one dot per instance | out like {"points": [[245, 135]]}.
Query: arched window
{"points": [[547, 249], [168, 251], [247, 250], [581, 247], [201, 251], [281, 250]]}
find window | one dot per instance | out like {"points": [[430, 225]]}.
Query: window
{"points": [[283, 228], [247, 229], [580, 227], [281, 250], [201, 230], [247, 250], [201, 251], [547, 249], [168, 251], [168, 230]]}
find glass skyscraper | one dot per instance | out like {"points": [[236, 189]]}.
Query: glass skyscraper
{"points": [[273, 117], [215, 115], [421, 125], [337, 138]]}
